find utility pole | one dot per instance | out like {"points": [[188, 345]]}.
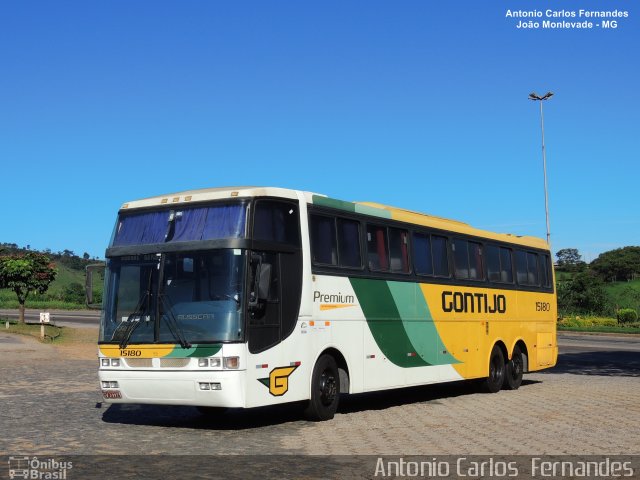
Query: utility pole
{"points": [[535, 97]]}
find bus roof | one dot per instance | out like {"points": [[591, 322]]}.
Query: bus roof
{"points": [[207, 194], [366, 208]]}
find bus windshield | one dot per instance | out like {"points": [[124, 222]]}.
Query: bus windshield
{"points": [[183, 297]]}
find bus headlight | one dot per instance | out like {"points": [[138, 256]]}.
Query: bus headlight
{"points": [[209, 362], [210, 386], [231, 362], [114, 362]]}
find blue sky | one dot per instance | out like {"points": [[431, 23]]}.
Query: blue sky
{"points": [[417, 104]]}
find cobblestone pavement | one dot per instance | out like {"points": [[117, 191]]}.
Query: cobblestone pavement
{"points": [[50, 404]]}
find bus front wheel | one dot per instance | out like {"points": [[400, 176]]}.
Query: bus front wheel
{"points": [[493, 383], [514, 371], [325, 390]]}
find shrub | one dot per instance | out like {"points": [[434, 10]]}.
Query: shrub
{"points": [[73, 293], [627, 315], [581, 322], [583, 294]]}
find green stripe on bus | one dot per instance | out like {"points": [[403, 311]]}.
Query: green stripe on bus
{"points": [[195, 351], [333, 203], [350, 206], [383, 319], [373, 211], [418, 323]]}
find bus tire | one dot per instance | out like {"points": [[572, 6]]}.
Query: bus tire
{"points": [[514, 370], [493, 383], [325, 390]]}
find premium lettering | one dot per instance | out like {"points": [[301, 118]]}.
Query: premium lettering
{"points": [[332, 298]]}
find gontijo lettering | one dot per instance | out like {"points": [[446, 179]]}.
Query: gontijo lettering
{"points": [[466, 302]]}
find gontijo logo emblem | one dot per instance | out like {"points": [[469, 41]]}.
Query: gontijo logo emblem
{"points": [[278, 381]]}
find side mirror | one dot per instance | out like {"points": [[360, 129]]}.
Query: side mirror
{"points": [[92, 270], [264, 281], [261, 281]]}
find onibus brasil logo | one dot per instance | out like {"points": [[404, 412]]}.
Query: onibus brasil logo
{"points": [[278, 380], [34, 468]]}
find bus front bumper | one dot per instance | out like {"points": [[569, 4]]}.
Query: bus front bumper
{"points": [[197, 388]]}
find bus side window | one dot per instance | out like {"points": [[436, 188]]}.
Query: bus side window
{"points": [[499, 268], [468, 260], [349, 243], [461, 258], [476, 269], [506, 266], [422, 259], [533, 278], [493, 263], [323, 240], [440, 256], [521, 267], [544, 271], [276, 221], [377, 248], [399, 250], [527, 268]]}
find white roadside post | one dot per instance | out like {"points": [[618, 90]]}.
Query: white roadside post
{"points": [[44, 318]]}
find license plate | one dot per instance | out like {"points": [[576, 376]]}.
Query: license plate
{"points": [[111, 394]]}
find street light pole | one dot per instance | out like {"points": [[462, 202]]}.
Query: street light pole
{"points": [[534, 96]]}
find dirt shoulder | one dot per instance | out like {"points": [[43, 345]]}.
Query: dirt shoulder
{"points": [[74, 343]]}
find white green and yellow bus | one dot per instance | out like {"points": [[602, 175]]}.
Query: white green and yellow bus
{"points": [[252, 296]]}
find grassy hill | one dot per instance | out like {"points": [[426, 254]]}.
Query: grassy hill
{"points": [[624, 294], [619, 295], [65, 292]]}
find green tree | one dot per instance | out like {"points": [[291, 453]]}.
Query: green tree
{"points": [[30, 272], [584, 293], [569, 259], [620, 264]]}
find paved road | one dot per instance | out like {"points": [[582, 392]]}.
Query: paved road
{"points": [[63, 318], [570, 342], [588, 404]]}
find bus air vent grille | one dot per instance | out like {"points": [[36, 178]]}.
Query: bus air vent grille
{"points": [[139, 362], [174, 362]]}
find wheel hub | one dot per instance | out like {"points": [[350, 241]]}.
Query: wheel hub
{"points": [[328, 388]]}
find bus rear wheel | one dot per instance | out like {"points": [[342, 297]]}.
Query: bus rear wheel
{"points": [[325, 390], [514, 370], [493, 383]]}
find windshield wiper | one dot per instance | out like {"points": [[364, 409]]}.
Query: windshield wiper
{"points": [[134, 319], [125, 330], [172, 323]]}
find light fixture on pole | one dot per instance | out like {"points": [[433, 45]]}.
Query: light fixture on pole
{"points": [[535, 97]]}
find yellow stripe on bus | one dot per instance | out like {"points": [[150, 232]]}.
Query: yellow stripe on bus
{"points": [[137, 351], [333, 306]]}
